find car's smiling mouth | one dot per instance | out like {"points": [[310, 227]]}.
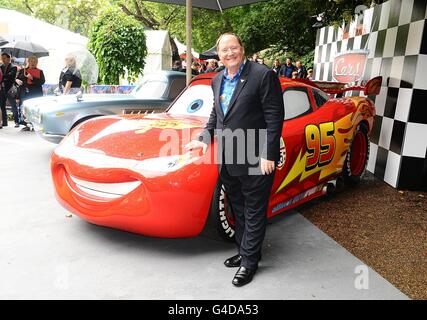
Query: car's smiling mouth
{"points": [[107, 191]]}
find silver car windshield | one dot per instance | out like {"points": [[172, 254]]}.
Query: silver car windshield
{"points": [[197, 100], [150, 88]]}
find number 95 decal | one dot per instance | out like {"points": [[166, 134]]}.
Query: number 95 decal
{"points": [[320, 143]]}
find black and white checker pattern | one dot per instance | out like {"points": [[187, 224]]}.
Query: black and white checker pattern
{"points": [[396, 37]]}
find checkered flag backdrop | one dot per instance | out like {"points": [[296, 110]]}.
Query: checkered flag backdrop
{"points": [[395, 34]]}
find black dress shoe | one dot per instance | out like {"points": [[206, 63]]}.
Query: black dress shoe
{"points": [[243, 276], [234, 261], [16, 125]]}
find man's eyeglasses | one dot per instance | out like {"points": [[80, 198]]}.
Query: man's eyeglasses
{"points": [[232, 49]]}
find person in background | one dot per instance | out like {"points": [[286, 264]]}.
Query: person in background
{"points": [[255, 57], [310, 74], [203, 67], [220, 67], [195, 68], [30, 81], [212, 65], [9, 75], [70, 79], [261, 61], [184, 66], [276, 66], [177, 66], [294, 74], [301, 70], [287, 69]]}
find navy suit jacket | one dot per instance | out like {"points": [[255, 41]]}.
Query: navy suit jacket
{"points": [[256, 104]]}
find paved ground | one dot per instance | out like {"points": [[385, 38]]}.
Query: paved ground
{"points": [[389, 235], [44, 254]]}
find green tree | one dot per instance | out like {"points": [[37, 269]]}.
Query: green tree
{"points": [[155, 16], [18, 5], [118, 43], [287, 26], [283, 25]]}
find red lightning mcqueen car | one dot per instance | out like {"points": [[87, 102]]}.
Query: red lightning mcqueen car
{"points": [[112, 171]]}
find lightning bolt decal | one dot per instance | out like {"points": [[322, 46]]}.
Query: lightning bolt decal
{"points": [[343, 134]]}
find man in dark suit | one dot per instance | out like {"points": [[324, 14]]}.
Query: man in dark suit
{"points": [[9, 76], [302, 71], [247, 120], [287, 69]]}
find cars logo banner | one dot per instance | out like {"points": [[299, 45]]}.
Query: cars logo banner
{"points": [[350, 66]]}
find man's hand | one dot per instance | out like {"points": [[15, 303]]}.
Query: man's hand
{"points": [[267, 166], [195, 144], [19, 82]]}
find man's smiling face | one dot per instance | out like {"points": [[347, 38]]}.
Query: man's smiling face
{"points": [[230, 52]]}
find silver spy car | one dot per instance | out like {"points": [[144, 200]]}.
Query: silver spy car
{"points": [[52, 117]]}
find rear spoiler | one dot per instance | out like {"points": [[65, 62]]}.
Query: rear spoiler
{"points": [[372, 87]]}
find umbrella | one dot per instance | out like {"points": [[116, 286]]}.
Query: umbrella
{"points": [[184, 56], [209, 54], [24, 49], [86, 62], [218, 5], [3, 41]]}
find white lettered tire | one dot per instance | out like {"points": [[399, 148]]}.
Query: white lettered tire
{"points": [[220, 222]]}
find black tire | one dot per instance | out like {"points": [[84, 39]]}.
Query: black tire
{"points": [[350, 177], [83, 120], [219, 224]]}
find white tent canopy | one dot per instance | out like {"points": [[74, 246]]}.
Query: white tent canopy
{"points": [[18, 26], [159, 52], [182, 48]]}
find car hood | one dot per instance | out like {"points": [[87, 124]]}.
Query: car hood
{"points": [[50, 101], [142, 143]]}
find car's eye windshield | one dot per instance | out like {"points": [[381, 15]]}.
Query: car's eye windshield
{"points": [[196, 100], [150, 89], [296, 103]]}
